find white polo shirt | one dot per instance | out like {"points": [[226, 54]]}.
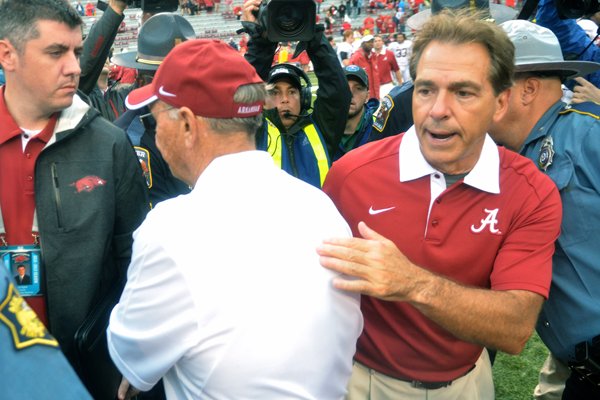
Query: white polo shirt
{"points": [[225, 295]]}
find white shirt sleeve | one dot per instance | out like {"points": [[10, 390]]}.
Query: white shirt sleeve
{"points": [[153, 324]]}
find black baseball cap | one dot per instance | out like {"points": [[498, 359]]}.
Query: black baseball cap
{"points": [[354, 71], [281, 71]]}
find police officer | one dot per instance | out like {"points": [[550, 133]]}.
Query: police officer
{"points": [[157, 37], [564, 142], [300, 141], [31, 363]]}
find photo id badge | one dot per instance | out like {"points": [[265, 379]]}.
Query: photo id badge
{"points": [[24, 263]]}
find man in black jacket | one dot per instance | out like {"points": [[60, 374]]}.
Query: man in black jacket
{"points": [[71, 191]]}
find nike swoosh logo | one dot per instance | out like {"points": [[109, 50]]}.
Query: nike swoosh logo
{"points": [[375, 212], [163, 92]]}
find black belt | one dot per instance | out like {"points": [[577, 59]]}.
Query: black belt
{"points": [[429, 385], [433, 385]]}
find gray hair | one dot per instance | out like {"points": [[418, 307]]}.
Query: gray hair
{"points": [[248, 94], [18, 18], [462, 27]]}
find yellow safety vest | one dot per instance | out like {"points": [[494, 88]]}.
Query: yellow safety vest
{"points": [[275, 146]]}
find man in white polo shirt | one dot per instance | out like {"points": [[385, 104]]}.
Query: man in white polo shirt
{"points": [[225, 296]]}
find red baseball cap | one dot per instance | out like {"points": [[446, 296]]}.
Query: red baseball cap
{"points": [[203, 75]]}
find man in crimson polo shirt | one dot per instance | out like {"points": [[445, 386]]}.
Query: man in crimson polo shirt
{"points": [[65, 164], [453, 235], [386, 65]]}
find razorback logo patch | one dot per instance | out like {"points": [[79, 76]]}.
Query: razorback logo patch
{"points": [[25, 327], [88, 183]]}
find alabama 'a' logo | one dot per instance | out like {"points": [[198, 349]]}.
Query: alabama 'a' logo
{"points": [[490, 222]]}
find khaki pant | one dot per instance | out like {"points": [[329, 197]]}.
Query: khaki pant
{"points": [[367, 384], [552, 379]]}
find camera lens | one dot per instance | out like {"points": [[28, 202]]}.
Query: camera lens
{"points": [[289, 20]]}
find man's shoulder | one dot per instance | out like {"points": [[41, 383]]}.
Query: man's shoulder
{"points": [[370, 153], [587, 109], [99, 125], [519, 173], [401, 91]]}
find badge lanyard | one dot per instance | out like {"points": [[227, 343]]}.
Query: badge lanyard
{"points": [[26, 256], [34, 230]]}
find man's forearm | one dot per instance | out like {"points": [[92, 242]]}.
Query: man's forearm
{"points": [[260, 55], [97, 45], [333, 95], [502, 320]]}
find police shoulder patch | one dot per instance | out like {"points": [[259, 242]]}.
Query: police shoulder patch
{"points": [[381, 116], [25, 327], [144, 159], [588, 108]]}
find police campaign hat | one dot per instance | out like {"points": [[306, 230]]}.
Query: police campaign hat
{"points": [[157, 37], [497, 12], [537, 49]]}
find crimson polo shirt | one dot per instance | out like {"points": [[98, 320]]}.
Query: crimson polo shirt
{"points": [[17, 183], [386, 63], [494, 229]]}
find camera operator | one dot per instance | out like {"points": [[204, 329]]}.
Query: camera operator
{"points": [[574, 42], [300, 141]]}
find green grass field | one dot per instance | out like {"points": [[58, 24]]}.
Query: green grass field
{"points": [[515, 377]]}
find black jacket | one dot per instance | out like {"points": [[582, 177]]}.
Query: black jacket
{"points": [[90, 196]]}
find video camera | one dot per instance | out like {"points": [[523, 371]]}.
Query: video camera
{"points": [[568, 9], [152, 6], [288, 20]]}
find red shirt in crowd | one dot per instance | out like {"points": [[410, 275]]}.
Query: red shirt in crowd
{"points": [[370, 65], [386, 63]]}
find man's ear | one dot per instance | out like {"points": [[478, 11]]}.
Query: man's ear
{"points": [[8, 55], [502, 103], [188, 126], [530, 89]]}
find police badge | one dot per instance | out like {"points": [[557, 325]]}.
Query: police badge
{"points": [[546, 153]]}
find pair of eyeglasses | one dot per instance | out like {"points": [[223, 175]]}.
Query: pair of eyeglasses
{"points": [[147, 118]]}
